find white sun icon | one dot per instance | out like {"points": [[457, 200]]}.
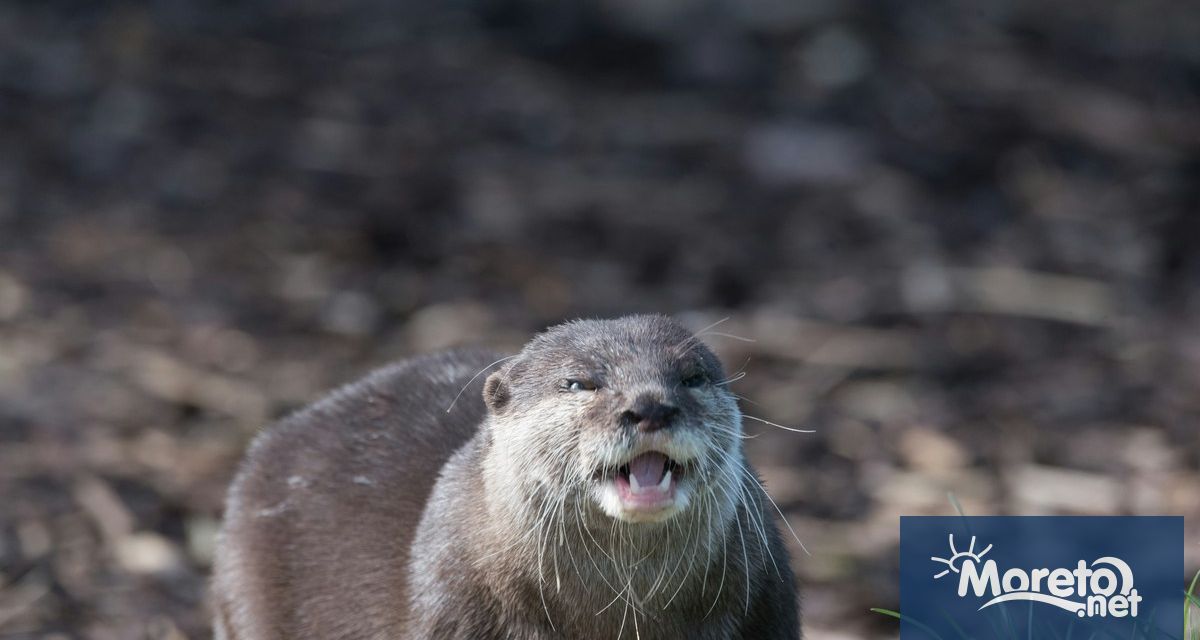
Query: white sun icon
{"points": [[954, 562]]}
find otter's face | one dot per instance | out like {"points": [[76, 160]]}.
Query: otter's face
{"points": [[628, 416]]}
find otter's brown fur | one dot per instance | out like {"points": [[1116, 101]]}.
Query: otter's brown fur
{"points": [[375, 513]]}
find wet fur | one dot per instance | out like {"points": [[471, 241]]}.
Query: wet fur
{"points": [[322, 541]]}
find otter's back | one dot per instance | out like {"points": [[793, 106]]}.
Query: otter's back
{"points": [[321, 516]]}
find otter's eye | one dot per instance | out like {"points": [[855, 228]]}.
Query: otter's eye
{"points": [[574, 385], [696, 380]]}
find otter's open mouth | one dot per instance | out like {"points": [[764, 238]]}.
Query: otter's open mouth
{"points": [[648, 482]]}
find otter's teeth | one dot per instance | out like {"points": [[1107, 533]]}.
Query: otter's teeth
{"points": [[633, 483], [665, 483]]}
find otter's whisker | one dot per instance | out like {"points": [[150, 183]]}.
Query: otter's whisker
{"points": [[745, 562], [755, 517], [579, 526], [781, 516], [663, 577], [768, 422], [611, 602], [708, 499], [542, 531], [481, 372], [725, 335], [711, 326], [621, 631], [731, 379], [724, 553], [731, 432], [746, 400], [691, 559], [636, 634]]}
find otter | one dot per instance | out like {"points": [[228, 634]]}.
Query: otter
{"points": [[592, 486]]}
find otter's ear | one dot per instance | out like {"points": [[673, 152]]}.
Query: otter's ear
{"points": [[495, 392]]}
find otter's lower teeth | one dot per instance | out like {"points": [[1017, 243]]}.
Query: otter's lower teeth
{"points": [[663, 485]]}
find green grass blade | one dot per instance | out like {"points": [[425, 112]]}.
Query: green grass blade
{"points": [[897, 615], [1189, 598]]}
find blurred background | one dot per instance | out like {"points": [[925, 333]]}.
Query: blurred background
{"points": [[964, 239]]}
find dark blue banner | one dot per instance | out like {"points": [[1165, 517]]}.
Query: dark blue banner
{"points": [[1041, 577]]}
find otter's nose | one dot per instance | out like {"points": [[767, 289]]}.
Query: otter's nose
{"points": [[650, 415]]}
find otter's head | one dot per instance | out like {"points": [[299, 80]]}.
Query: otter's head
{"points": [[629, 417]]}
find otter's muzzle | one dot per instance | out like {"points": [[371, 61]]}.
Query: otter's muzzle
{"points": [[649, 415]]}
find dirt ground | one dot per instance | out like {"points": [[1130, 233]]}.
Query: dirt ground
{"points": [[964, 241]]}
